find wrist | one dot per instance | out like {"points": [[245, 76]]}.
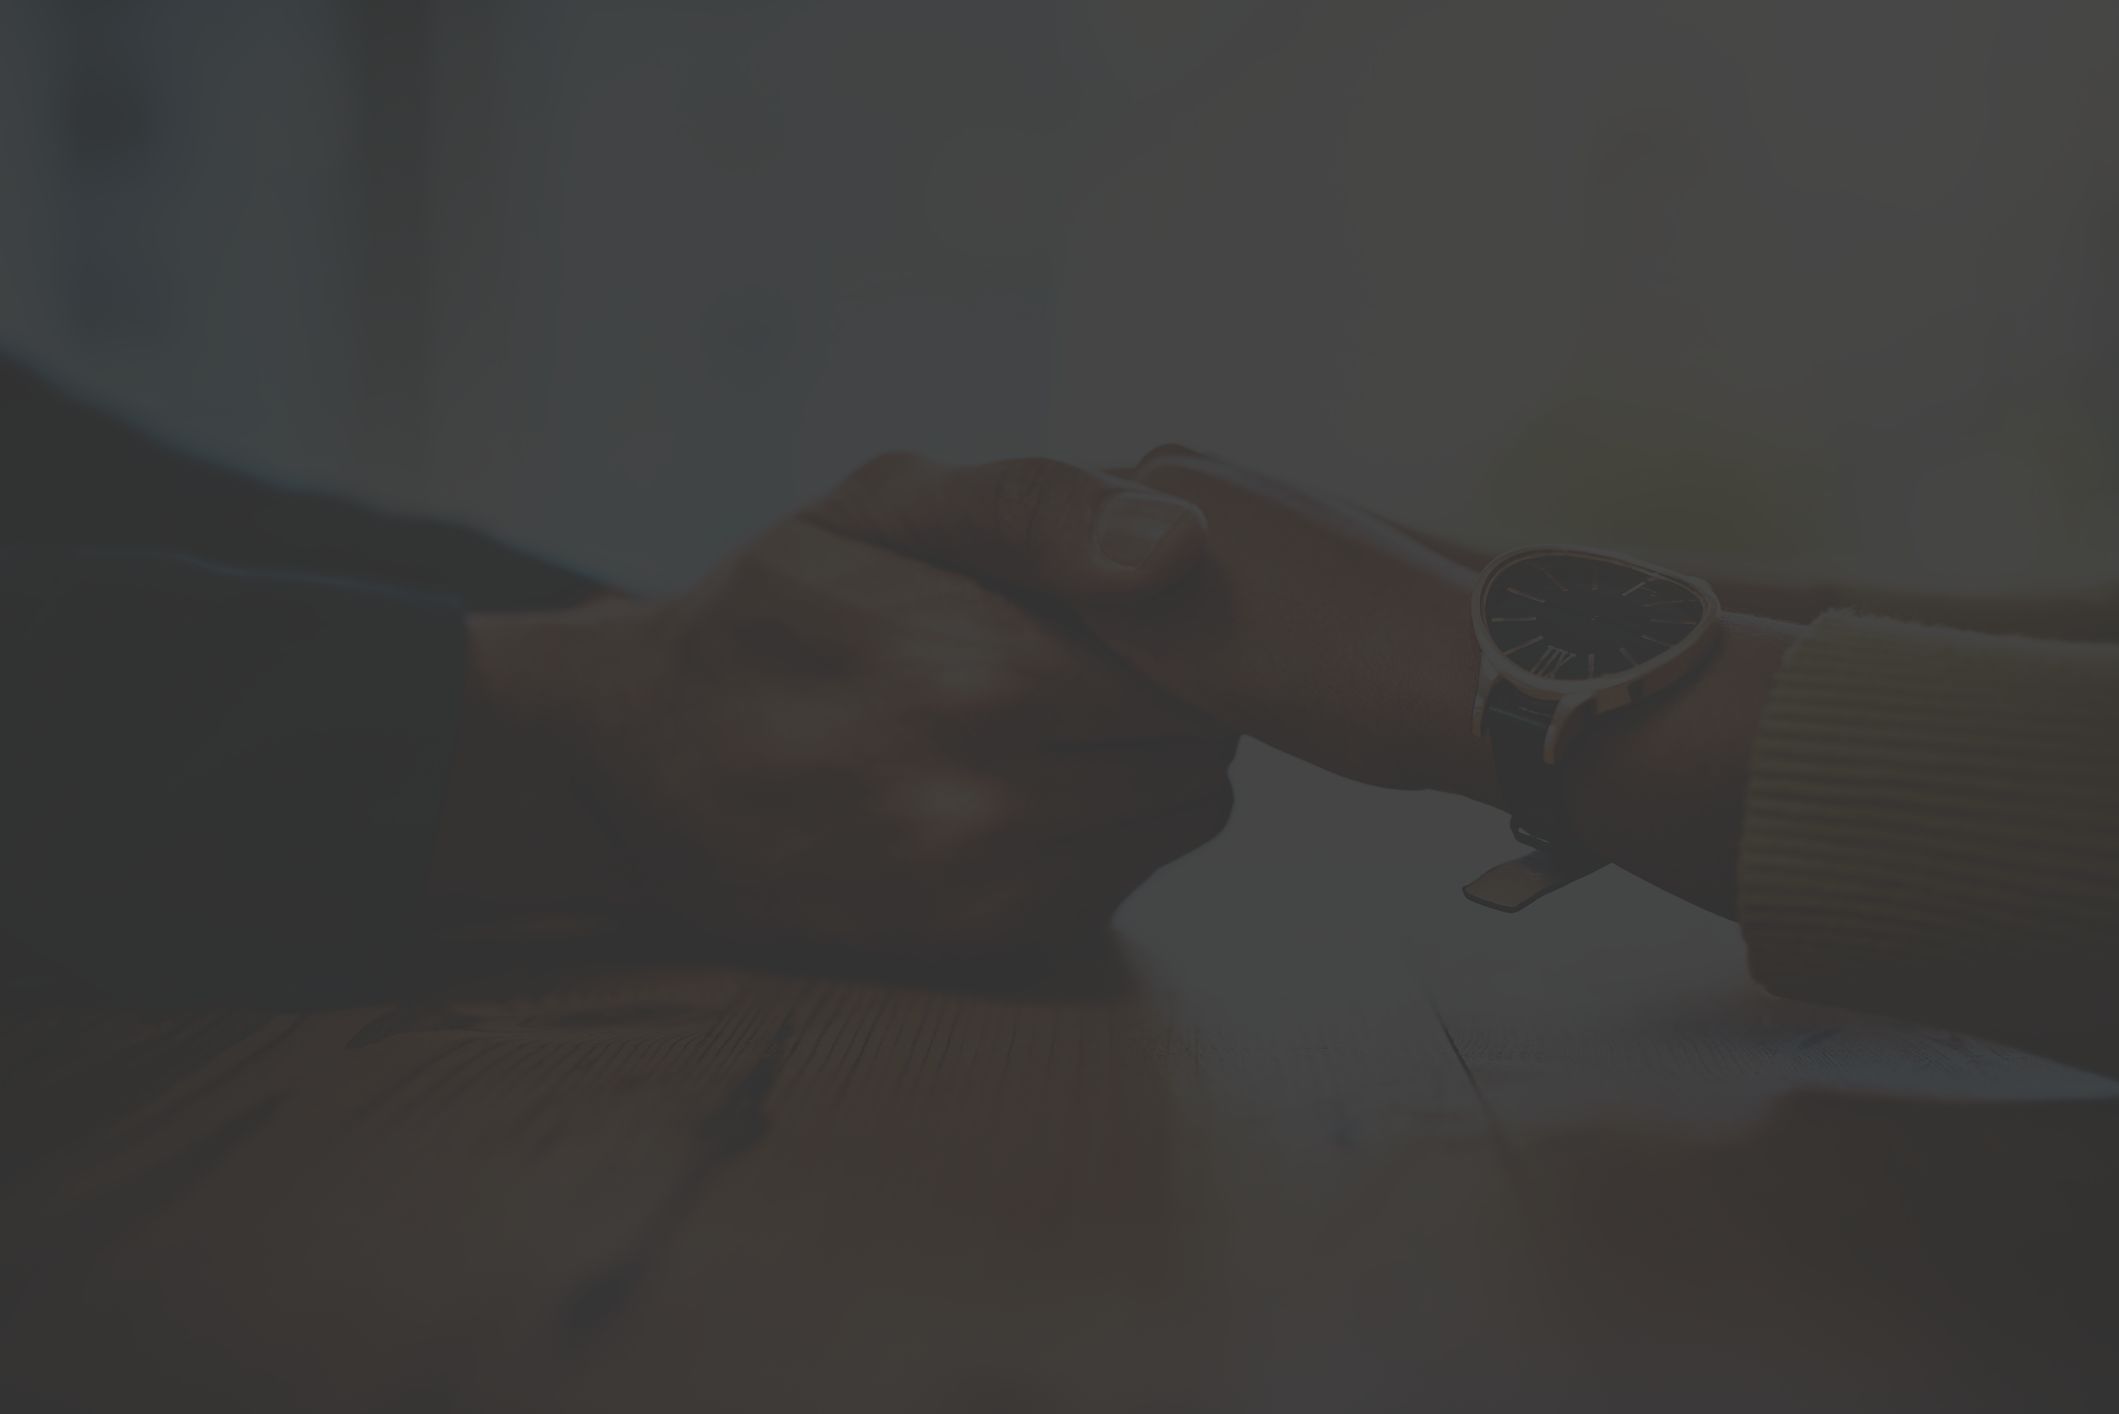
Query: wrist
{"points": [[1452, 756], [519, 833], [1660, 790]]}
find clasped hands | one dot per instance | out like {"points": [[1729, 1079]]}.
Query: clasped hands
{"points": [[952, 707]]}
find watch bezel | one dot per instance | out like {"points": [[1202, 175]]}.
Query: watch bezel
{"points": [[1608, 690]]}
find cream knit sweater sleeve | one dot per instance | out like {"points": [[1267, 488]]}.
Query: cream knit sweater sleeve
{"points": [[1932, 826]]}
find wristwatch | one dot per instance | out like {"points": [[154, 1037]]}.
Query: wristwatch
{"points": [[1567, 635]]}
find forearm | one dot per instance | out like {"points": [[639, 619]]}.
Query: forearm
{"points": [[219, 779], [213, 775], [73, 475]]}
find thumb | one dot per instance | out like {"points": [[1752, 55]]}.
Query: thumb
{"points": [[1032, 526]]}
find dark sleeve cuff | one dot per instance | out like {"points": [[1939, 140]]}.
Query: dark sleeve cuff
{"points": [[217, 777]]}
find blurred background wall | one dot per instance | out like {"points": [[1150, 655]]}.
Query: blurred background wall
{"points": [[185, 221], [627, 279]]}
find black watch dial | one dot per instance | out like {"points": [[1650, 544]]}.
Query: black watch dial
{"points": [[1574, 617]]}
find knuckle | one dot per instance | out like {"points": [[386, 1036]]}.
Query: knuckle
{"points": [[854, 501], [1034, 499], [880, 470], [946, 818], [1170, 452], [761, 571], [976, 691]]}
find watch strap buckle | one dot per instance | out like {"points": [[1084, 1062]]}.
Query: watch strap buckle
{"points": [[1534, 836]]}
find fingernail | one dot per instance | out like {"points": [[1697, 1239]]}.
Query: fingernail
{"points": [[1130, 525]]}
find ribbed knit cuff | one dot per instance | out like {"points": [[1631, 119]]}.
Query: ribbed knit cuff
{"points": [[1933, 820]]}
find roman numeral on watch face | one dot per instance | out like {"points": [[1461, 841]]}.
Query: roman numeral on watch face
{"points": [[1567, 617], [1551, 661]]}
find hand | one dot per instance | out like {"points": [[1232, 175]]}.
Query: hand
{"points": [[831, 741], [1313, 626]]}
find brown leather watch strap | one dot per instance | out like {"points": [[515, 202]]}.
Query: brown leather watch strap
{"points": [[1531, 789], [1516, 724]]}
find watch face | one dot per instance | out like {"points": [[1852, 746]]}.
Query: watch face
{"points": [[1569, 617]]}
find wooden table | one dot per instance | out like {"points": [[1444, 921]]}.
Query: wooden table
{"points": [[1323, 1137]]}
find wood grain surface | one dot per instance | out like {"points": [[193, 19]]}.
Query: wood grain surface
{"points": [[1311, 1134]]}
